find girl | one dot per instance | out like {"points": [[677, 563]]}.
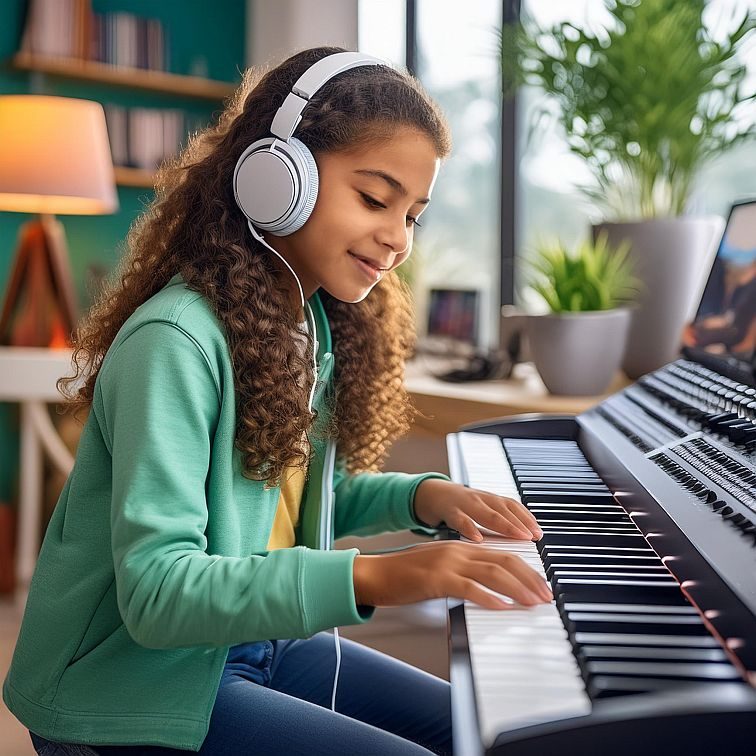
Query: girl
{"points": [[180, 551]]}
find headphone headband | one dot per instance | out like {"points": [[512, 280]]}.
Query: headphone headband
{"points": [[289, 115]]}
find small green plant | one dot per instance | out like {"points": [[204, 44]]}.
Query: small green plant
{"points": [[593, 277], [645, 100]]}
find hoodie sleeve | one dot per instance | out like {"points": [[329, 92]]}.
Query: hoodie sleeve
{"points": [[371, 503], [158, 404]]}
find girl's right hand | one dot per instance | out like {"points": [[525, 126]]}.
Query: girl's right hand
{"points": [[447, 568]]}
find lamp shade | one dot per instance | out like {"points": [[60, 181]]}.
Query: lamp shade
{"points": [[55, 156]]}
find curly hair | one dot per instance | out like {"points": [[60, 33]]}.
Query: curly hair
{"points": [[193, 227]]}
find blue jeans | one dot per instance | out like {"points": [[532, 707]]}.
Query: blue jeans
{"points": [[275, 698]]}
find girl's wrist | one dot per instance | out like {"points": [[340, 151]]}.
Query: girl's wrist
{"points": [[361, 568], [421, 504]]}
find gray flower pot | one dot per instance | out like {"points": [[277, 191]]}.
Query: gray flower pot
{"points": [[578, 353], [672, 258]]}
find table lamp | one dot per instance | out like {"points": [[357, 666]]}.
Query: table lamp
{"points": [[54, 159]]}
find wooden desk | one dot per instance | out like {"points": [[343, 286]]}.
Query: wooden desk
{"points": [[450, 405]]}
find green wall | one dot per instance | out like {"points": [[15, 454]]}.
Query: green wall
{"points": [[201, 35]]}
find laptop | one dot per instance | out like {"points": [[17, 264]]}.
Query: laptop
{"points": [[722, 335]]}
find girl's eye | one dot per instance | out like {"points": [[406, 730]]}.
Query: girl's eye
{"points": [[374, 203], [371, 202]]}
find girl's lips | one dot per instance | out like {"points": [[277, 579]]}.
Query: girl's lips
{"points": [[370, 270]]}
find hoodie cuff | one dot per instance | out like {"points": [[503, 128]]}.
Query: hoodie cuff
{"points": [[327, 591], [417, 525]]}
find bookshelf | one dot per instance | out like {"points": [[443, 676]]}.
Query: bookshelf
{"points": [[91, 44], [131, 78], [135, 78], [133, 177]]}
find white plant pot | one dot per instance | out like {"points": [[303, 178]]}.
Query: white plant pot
{"points": [[578, 354], [672, 258]]}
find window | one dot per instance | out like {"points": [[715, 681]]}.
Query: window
{"points": [[457, 61], [381, 29]]}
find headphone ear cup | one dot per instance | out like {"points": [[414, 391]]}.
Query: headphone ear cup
{"points": [[276, 185], [308, 189]]}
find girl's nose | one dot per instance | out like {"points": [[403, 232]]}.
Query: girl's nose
{"points": [[395, 235]]}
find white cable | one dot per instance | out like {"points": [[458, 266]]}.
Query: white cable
{"points": [[338, 667], [308, 313], [305, 306]]}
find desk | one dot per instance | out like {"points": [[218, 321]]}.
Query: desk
{"points": [[28, 376], [451, 405]]}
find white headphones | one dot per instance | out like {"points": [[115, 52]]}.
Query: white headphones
{"points": [[276, 179]]}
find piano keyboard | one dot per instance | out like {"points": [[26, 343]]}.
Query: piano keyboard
{"points": [[619, 624]]}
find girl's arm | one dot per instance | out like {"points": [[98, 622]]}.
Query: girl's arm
{"points": [[371, 503], [158, 407]]}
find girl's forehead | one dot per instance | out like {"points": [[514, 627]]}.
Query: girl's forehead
{"points": [[408, 155]]}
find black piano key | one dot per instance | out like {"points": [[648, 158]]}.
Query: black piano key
{"points": [[611, 567], [541, 496], [602, 686], [577, 477], [648, 592], [558, 486], [603, 550], [649, 653], [568, 522], [574, 557], [643, 624], [561, 515], [629, 608], [608, 540], [654, 670], [578, 507], [564, 467], [560, 574], [630, 639]]}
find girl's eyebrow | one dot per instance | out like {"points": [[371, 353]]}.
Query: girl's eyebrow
{"points": [[392, 182]]}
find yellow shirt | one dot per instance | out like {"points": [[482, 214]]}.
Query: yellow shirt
{"points": [[287, 514]]}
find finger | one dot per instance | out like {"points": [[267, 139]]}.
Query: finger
{"points": [[521, 513], [518, 568], [467, 527], [519, 582], [502, 522], [469, 590]]}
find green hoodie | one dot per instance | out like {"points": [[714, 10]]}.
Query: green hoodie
{"points": [[154, 562]]}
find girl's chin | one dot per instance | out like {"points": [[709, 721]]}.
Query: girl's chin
{"points": [[349, 294]]}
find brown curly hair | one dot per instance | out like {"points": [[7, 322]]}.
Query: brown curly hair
{"points": [[193, 227]]}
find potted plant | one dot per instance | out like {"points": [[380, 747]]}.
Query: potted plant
{"points": [[578, 347], [645, 100]]}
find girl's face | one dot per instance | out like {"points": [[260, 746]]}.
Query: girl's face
{"points": [[363, 221]]}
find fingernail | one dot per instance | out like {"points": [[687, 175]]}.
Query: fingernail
{"points": [[538, 534], [478, 537]]}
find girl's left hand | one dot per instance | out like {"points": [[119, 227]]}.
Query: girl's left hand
{"points": [[463, 509]]}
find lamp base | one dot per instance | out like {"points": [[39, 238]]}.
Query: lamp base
{"points": [[40, 302]]}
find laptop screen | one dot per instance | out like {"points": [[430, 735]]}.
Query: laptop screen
{"points": [[454, 314], [725, 324]]}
